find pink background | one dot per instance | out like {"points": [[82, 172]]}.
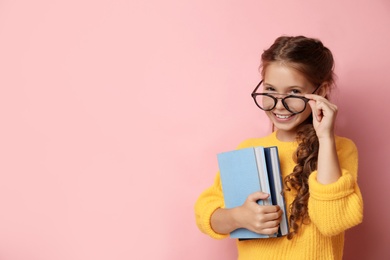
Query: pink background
{"points": [[112, 113]]}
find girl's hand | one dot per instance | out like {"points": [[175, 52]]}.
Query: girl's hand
{"points": [[324, 115], [257, 218]]}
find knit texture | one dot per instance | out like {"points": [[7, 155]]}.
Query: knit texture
{"points": [[333, 208]]}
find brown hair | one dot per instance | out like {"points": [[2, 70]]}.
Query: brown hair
{"points": [[313, 60]]}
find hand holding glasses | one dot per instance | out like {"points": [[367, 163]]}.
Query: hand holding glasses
{"points": [[293, 103]]}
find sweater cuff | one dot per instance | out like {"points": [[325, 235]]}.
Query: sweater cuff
{"points": [[205, 222], [343, 187]]}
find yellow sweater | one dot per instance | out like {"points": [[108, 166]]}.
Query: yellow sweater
{"points": [[333, 208]]}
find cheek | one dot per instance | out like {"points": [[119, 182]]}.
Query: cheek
{"points": [[269, 113], [305, 114]]}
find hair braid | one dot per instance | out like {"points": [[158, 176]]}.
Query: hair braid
{"points": [[306, 158]]}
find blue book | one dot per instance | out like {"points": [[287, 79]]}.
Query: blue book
{"points": [[245, 171]]}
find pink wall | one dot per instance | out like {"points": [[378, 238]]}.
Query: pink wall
{"points": [[112, 113]]}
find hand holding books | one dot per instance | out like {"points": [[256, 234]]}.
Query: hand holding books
{"points": [[259, 218]]}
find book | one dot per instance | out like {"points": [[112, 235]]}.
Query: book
{"points": [[245, 171], [276, 184]]}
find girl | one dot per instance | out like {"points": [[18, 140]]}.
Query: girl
{"points": [[319, 168]]}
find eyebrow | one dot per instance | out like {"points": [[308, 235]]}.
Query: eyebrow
{"points": [[290, 87]]}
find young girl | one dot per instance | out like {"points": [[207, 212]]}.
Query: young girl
{"points": [[319, 168]]}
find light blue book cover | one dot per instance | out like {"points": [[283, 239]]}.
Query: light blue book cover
{"points": [[239, 171]]}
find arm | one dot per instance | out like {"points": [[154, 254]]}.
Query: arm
{"points": [[337, 206], [252, 216], [208, 202], [216, 221], [324, 116], [328, 166], [335, 202]]}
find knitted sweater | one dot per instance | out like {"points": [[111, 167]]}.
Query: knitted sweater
{"points": [[333, 208]]}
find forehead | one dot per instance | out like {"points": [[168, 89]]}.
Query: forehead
{"points": [[280, 74]]}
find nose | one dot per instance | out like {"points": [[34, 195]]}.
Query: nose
{"points": [[279, 103]]}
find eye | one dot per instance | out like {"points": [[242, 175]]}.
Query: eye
{"points": [[295, 92], [269, 89]]}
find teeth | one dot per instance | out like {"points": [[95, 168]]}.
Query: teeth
{"points": [[282, 116]]}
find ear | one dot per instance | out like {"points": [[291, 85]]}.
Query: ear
{"points": [[323, 89]]}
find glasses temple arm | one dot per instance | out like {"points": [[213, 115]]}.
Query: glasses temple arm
{"points": [[258, 85], [317, 89]]}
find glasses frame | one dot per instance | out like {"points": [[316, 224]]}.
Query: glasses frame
{"points": [[254, 95]]}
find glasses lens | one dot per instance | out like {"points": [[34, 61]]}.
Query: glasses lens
{"points": [[265, 102], [294, 104]]}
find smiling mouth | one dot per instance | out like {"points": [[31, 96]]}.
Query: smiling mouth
{"points": [[283, 116]]}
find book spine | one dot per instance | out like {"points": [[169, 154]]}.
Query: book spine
{"points": [[277, 183], [263, 174]]}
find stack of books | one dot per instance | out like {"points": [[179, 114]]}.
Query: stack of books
{"points": [[245, 171]]}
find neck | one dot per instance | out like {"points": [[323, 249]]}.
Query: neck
{"points": [[286, 136]]}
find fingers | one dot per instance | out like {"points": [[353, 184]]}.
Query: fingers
{"points": [[317, 112], [270, 231], [258, 196], [320, 102], [270, 213], [268, 223], [271, 223], [314, 97], [259, 218], [316, 106], [321, 106]]}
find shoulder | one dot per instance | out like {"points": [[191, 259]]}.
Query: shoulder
{"points": [[345, 143], [347, 153], [346, 148]]}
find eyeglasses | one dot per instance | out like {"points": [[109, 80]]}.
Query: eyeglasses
{"points": [[267, 102]]}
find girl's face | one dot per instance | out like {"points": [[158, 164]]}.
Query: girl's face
{"points": [[281, 80]]}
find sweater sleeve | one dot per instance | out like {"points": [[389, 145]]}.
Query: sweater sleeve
{"points": [[335, 207], [209, 201], [212, 199]]}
